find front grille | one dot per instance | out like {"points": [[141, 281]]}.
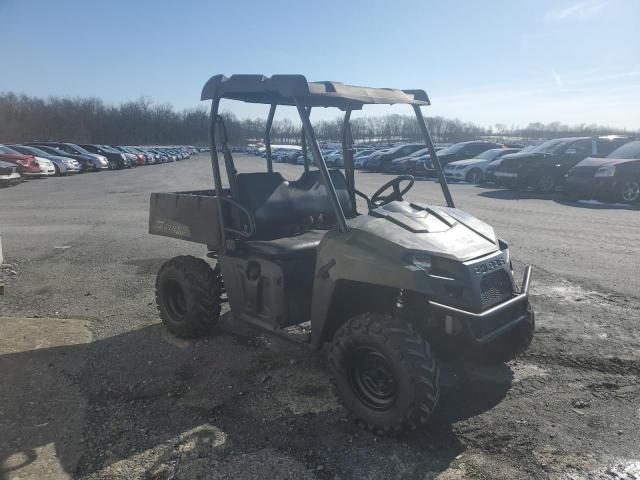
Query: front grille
{"points": [[495, 287], [7, 170]]}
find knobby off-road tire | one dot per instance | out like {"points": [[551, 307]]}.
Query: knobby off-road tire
{"points": [[188, 293], [384, 373], [513, 343]]}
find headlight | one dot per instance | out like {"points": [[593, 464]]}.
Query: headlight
{"points": [[606, 171], [123, 156], [422, 261], [68, 163]]}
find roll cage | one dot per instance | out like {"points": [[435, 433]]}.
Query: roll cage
{"points": [[295, 90]]}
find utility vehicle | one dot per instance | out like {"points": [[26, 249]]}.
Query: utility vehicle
{"points": [[386, 290]]}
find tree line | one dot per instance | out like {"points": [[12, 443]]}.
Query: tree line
{"points": [[142, 122]]}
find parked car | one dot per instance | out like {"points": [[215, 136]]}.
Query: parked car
{"points": [[89, 161], [544, 167], [62, 165], [361, 160], [473, 169], [137, 159], [9, 174], [613, 178], [453, 153], [117, 160], [164, 157], [407, 164], [148, 157], [379, 162], [334, 159], [494, 165], [132, 158], [27, 164]]}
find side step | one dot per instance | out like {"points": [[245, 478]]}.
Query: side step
{"points": [[299, 334]]}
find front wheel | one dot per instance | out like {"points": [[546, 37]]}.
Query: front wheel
{"points": [[474, 176], [385, 373], [630, 191], [188, 296], [545, 183]]}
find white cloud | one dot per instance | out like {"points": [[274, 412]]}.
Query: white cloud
{"points": [[580, 10], [559, 81]]}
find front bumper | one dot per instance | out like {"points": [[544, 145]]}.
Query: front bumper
{"points": [[604, 188], [455, 174], [485, 326], [10, 179], [508, 178]]}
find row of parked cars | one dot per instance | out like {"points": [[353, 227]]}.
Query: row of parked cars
{"points": [[605, 168], [45, 159]]}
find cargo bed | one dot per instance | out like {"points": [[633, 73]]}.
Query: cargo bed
{"points": [[191, 216]]}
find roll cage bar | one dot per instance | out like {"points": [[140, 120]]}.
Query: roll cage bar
{"points": [[295, 90]]}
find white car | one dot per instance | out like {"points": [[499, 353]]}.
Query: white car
{"points": [[46, 167], [472, 170]]}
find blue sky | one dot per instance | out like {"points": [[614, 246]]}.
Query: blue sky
{"points": [[490, 61]]}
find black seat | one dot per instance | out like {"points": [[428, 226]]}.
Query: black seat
{"points": [[287, 209], [304, 244]]}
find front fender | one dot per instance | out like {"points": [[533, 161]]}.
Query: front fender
{"points": [[342, 258]]}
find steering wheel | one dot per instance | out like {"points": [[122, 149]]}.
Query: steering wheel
{"points": [[378, 200]]}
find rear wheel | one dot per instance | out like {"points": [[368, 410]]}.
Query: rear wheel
{"points": [[545, 183], [384, 372], [630, 191], [188, 296], [474, 176]]}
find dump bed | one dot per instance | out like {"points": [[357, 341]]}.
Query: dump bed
{"points": [[191, 216]]}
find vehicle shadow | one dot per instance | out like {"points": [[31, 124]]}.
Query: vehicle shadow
{"points": [[503, 194], [160, 406], [596, 205]]}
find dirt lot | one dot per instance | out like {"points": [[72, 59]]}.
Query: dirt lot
{"points": [[93, 387]]}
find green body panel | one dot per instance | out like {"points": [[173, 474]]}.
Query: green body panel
{"points": [[378, 248]]}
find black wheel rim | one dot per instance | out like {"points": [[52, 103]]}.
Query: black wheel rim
{"points": [[630, 191], [546, 183], [372, 378], [175, 300]]}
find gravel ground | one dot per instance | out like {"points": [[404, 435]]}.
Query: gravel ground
{"points": [[93, 387]]}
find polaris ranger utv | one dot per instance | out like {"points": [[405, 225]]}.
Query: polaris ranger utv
{"points": [[387, 289]]}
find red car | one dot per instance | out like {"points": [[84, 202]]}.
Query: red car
{"points": [[27, 164]]}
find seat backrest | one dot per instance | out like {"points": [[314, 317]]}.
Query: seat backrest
{"points": [[281, 208]]}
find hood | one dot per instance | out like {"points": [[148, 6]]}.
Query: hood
{"points": [[465, 163], [60, 158], [441, 231], [599, 162], [16, 156]]}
